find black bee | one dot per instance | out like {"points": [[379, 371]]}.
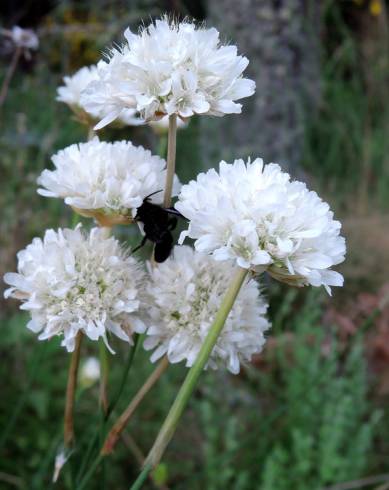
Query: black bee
{"points": [[158, 223]]}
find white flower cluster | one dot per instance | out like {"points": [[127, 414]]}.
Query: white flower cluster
{"points": [[72, 282], [24, 38], [170, 68], [184, 296], [109, 178], [70, 94], [247, 215], [255, 215]]}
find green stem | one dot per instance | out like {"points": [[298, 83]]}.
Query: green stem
{"points": [[71, 393], [90, 472], [122, 421], [117, 429], [142, 477], [169, 426], [95, 439], [127, 368], [171, 160]]}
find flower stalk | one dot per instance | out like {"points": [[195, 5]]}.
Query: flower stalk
{"points": [[104, 361], [111, 408], [122, 421], [70, 393], [103, 396], [169, 426], [171, 160]]}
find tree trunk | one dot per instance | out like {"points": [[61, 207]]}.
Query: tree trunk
{"points": [[281, 40]]}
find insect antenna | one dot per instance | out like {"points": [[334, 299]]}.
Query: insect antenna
{"points": [[152, 194]]}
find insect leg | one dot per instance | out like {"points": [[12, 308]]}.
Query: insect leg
{"points": [[140, 246]]}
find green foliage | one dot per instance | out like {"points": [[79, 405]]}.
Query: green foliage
{"points": [[327, 426], [220, 449], [303, 421], [346, 144]]}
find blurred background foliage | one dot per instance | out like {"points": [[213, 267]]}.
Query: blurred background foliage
{"points": [[312, 411]]}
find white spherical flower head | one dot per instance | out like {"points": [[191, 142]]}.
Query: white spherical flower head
{"points": [[185, 293], [73, 282], [70, 94], [171, 68], [105, 180], [255, 215]]}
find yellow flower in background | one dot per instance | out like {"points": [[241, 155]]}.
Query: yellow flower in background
{"points": [[375, 7]]}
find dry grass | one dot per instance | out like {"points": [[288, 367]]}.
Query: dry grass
{"points": [[368, 247]]}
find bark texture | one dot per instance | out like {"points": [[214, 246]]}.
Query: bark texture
{"points": [[281, 40]]}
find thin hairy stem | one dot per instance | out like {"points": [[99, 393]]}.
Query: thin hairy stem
{"points": [[70, 393], [169, 426], [94, 440], [133, 447], [139, 457], [142, 477], [171, 160], [127, 368], [89, 473], [122, 421]]}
